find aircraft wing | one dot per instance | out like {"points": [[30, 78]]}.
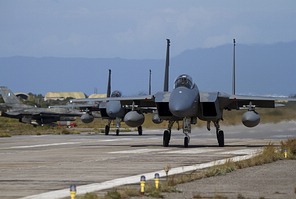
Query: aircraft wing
{"points": [[81, 106], [45, 112], [59, 111], [237, 102], [229, 102], [142, 101]]}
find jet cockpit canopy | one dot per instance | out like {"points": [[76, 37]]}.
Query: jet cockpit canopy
{"points": [[116, 94], [184, 81]]}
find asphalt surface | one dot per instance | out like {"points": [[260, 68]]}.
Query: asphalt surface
{"points": [[275, 180], [34, 165]]}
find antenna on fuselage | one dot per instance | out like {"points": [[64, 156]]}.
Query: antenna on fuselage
{"points": [[149, 82], [109, 85], [166, 71], [233, 69]]}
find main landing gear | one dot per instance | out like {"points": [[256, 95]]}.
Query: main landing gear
{"points": [[186, 130], [167, 134], [140, 130], [107, 128], [219, 133], [220, 138]]}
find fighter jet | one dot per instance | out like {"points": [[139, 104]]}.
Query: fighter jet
{"points": [[14, 108], [187, 103], [112, 110]]}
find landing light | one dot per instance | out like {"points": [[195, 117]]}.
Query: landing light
{"points": [[285, 153]]}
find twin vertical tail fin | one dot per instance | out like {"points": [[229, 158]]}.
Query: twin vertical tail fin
{"points": [[8, 96], [109, 85], [149, 86], [233, 69], [166, 72]]}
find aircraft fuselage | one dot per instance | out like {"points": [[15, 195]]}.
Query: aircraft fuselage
{"points": [[183, 102], [114, 109], [184, 98]]}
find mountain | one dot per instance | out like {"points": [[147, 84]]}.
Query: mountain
{"points": [[261, 69]]}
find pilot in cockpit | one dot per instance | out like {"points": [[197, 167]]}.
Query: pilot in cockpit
{"points": [[116, 94], [184, 81]]}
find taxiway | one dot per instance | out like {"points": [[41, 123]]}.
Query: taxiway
{"points": [[34, 165]]}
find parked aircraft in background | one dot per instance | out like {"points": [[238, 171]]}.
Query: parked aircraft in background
{"points": [[187, 103], [110, 110], [14, 108]]}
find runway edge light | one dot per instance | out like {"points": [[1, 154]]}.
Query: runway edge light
{"points": [[73, 191], [142, 184], [156, 180], [285, 153]]}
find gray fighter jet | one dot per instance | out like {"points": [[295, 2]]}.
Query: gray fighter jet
{"points": [[110, 110], [187, 103], [14, 108]]}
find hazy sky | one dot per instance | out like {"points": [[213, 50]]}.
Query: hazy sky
{"points": [[138, 28]]}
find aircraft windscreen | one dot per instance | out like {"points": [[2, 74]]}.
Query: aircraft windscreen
{"points": [[184, 81], [116, 94]]}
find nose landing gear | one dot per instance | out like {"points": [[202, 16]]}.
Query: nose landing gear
{"points": [[186, 131]]}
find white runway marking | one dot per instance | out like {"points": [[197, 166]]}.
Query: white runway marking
{"points": [[115, 140], [134, 179], [283, 136], [138, 151], [43, 145], [63, 143], [239, 152], [192, 151]]}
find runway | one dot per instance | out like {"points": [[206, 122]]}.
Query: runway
{"points": [[32, 165]]}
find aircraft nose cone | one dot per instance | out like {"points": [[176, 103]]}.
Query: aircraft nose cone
{"points": [[181, 102], [114, 109], [178, 108]]}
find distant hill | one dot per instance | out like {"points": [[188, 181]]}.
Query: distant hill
{"points": [[261, 70]]}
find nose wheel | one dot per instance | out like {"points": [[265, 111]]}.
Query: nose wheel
{"points": [[186, 131]]}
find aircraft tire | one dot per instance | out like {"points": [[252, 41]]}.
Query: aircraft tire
{"points": [[220, 138], [166, 138], [186, 142], [140, 130], [107, 129]]}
